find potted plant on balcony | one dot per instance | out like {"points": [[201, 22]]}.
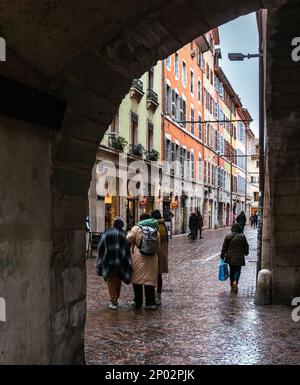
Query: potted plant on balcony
{"points": [[152, 155], [137, 150], [119, 143]]}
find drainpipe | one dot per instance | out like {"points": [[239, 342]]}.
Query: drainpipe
{"points": [[261, 145], [163, 130]]}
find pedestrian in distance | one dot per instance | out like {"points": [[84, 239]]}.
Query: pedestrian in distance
{"points": [[241, 220], [235, 247], [200, 223], [163, 253], [255, 220], [114, 260], [194, 224], [251, 220], [145, 242], [168, 216]]}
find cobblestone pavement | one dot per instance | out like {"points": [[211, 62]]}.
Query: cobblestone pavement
{"points": [[200, 321]]}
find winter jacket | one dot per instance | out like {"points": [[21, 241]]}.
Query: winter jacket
{"points": [[194, 221], [200, 220], [144, 267], [114, 255], [234, 249], [164, 247], [241, 219]]}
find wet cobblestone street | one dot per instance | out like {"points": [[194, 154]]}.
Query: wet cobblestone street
{"points": [[200, 320]]}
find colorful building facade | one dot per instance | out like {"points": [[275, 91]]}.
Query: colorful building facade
{"points": [[133, 136], [186, 117]]}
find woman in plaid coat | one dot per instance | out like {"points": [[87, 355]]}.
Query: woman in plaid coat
{"points": [[114, 260]]}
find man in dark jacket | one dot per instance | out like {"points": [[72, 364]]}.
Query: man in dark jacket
{"points": [[234, 249], [241, 220], [200, 223], [194, 224], [114, 260]]}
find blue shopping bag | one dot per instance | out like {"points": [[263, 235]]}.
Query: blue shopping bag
{"points": [[223, 270]]}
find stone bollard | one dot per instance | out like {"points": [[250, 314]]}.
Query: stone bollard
{"points": [[263, 294]]}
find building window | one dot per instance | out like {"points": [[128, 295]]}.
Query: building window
{"points": [[192, 82], [168, 100], [134, 129], [221, 90], [168, 62], [199, 90], [183, 113], [211, 77], [150, 136], [114, 127], [177, 65], [207, 134], [216, 110], [178, 107], [192, 165], [207, 71], [151, 78], [199, 127], [257, 164], [208, 172], [192, 121], [184, 74], [199, 57], [241, 132], [256, 196], [199, 167]]}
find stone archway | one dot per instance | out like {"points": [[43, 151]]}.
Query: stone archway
{"points": [[91, 68]]}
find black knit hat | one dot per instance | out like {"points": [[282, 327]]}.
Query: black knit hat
{"points": [[156, 214], [118, 223], [236, 228]]}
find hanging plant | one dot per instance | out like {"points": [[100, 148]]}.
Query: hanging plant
{"points": [[119, 143], [137, 150], [152, 155]]}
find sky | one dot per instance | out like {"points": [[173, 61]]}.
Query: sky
{"points": [[240, 35]]}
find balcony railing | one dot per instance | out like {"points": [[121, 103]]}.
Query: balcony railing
{"points": [[111, 139], [137, 89], [138, 84], [152, 98]]}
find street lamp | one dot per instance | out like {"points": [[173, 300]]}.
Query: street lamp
{"points": [[241, 57]]}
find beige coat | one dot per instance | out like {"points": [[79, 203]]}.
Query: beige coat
{"points": [[144, 267], [164, 248]]}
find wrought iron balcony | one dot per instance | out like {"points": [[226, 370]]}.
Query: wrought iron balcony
{"points": [[137, 89], [111, 139], [152, 98]]}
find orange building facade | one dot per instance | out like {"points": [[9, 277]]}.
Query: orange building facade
{"points": [[200, 116]]}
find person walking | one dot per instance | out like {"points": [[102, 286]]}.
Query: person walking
{"points": [[145, 241], [255, 220], [114, 260], [241, 220], [194, 224], [163, 253], [200, 223], [251, 220], [234, 249], [168, 216]]}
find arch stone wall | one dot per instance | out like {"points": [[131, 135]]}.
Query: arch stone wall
{"points": [[85, 53], [283, 154]]}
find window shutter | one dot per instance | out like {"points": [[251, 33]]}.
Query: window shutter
{"points": [[178, 103], [166, 97]]}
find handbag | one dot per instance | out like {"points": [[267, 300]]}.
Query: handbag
{"points": [[224, 267], [223, 270]]}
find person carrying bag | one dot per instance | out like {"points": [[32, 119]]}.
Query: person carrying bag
{"points": [[234, 249]]}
